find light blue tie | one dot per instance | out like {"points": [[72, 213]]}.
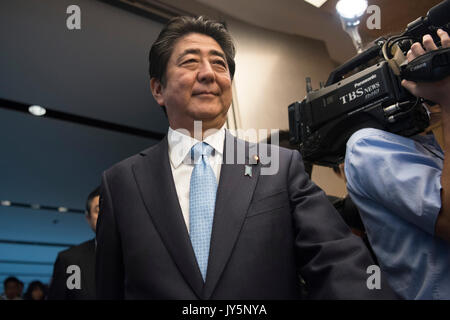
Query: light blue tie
{"points": [[202, 199]]}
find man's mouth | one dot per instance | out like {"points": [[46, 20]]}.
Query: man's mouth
{"points": [[205, 93]]}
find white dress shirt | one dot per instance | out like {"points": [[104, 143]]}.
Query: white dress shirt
{"points": [[181, 164]]}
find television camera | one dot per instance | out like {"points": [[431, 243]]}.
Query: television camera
{"points": [[321, 124]]}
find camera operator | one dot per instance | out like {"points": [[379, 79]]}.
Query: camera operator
{"points": [[401, 187]]}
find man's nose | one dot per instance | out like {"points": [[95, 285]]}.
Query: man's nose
{"points": [[206, 72]]}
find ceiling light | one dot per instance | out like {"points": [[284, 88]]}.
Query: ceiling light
{"points": [[37, 110], [316, 3], [351, 12], [351, 9], [62, 209], [6, 203]]}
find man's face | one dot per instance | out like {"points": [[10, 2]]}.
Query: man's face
{"points": [[37, 294], [12, 290], [198, 83], [92, 218]]}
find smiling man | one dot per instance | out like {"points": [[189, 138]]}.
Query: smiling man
{"points": [[180, 222], [197, 84]]}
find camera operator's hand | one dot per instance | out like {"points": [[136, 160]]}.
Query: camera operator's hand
{"points": [[438, 91]]}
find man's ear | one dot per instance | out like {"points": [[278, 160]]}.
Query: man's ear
{"points": [[157, 88]]}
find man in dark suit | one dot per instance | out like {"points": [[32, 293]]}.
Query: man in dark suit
{"points": [[204, 215], [63, 285]]}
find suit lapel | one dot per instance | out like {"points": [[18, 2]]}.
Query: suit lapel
{"points": [[234, 195], [155, 181]]}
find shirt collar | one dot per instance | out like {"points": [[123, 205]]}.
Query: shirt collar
{"points": [[180, 144]]}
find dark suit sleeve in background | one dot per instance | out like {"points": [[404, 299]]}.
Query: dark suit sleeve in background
{"points": [[330, 258], [109, 264]]}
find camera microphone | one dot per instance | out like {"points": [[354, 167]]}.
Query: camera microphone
{"points": [[439, 15]]}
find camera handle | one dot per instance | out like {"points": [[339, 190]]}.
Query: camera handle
{"points": [[431, 66]]}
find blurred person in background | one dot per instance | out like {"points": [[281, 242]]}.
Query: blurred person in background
{"points": [[11, 289], [82, 256], [36, 291]]}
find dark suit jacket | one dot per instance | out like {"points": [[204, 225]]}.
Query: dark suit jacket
{"points": [[267, 230], [83, 256]]}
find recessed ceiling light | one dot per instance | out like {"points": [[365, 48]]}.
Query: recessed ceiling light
{"points": [[37, 110], [6, 203], [62, 209], [316, 3]]}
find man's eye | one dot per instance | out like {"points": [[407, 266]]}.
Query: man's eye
{"points": [[220, 62], [189, 61]]}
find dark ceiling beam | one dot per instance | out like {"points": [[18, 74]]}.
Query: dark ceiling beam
{"points": [[64, 116], [36, 243], [42, 263], [60, 209]]}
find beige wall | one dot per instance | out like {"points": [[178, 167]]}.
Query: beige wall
{"points": [[271, 68], [270, 73]]}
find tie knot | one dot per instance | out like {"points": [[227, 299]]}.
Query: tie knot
{"points": [[201, 149]]}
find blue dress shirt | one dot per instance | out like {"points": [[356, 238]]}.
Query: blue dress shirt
{"points": [[395, 182]]}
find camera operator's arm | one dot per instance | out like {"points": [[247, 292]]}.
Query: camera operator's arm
{"points": [[438, 92]]}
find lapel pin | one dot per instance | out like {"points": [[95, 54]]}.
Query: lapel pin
{"points": [[248, 171]]}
